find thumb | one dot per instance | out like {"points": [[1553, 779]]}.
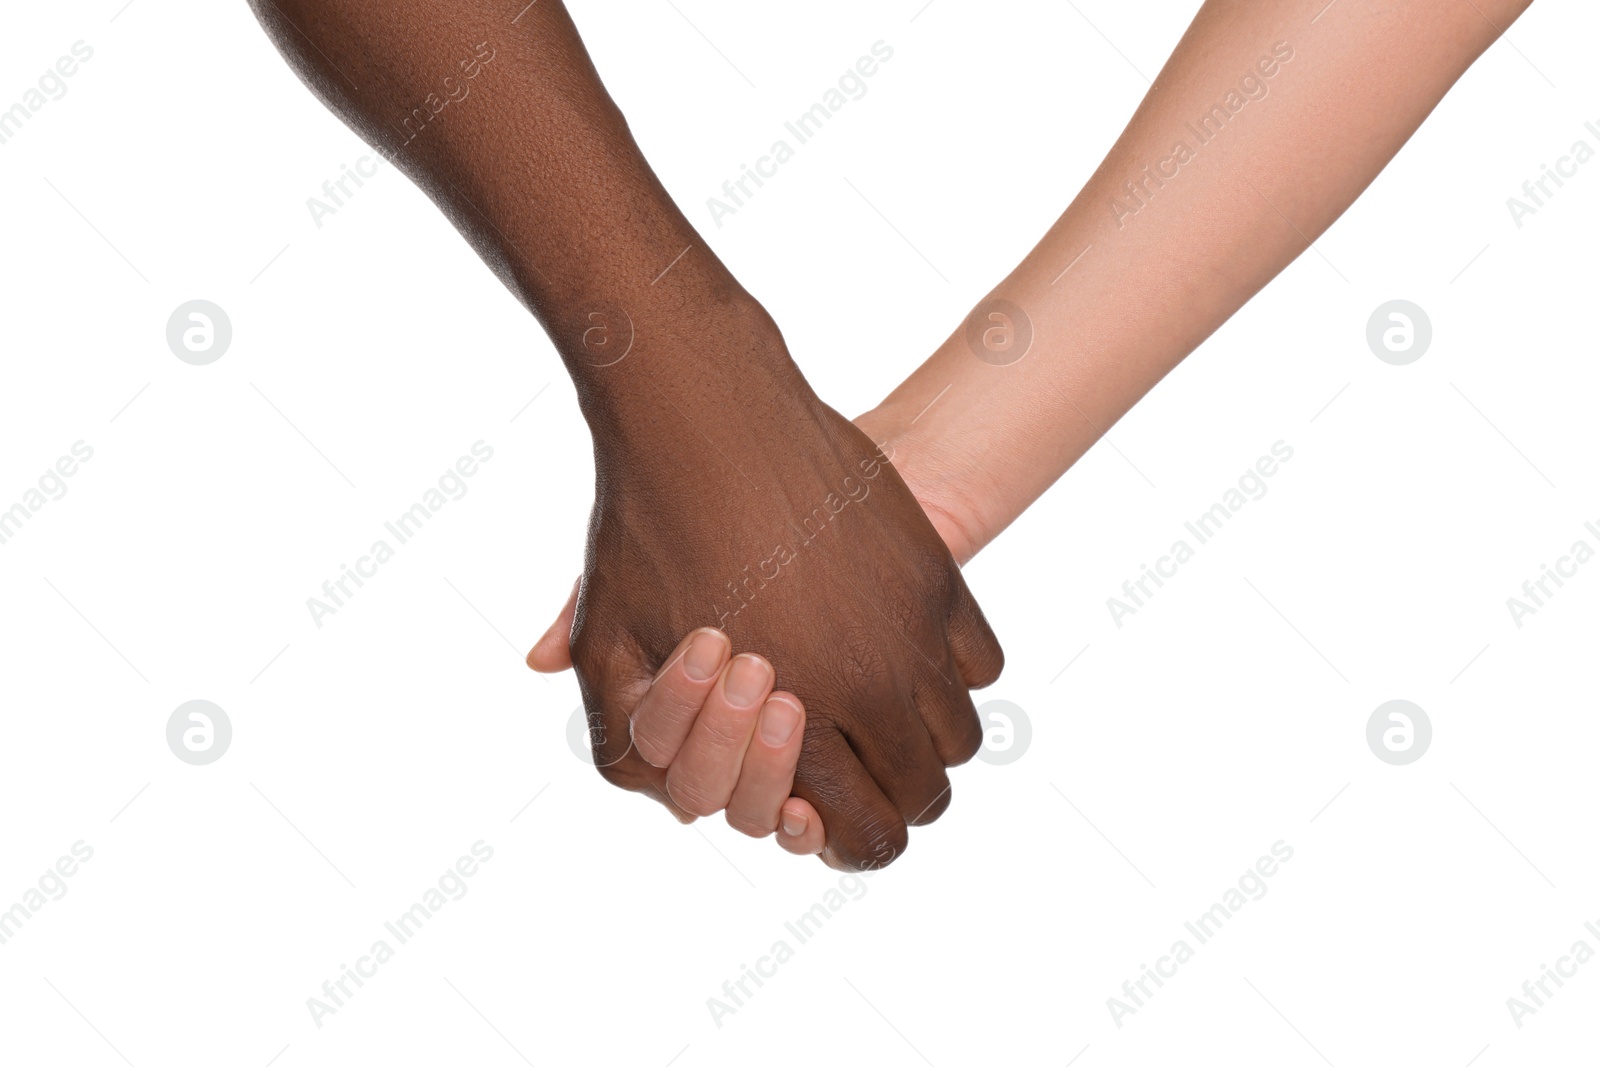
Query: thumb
{"points": [[552, 653]]}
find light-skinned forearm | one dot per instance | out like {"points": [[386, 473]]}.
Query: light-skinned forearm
{"points": [[1163, 245]]}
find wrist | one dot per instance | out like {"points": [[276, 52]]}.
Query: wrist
{"points": [[708, 367], [939, 477]]}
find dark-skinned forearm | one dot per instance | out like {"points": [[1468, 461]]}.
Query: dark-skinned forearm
{"points": [[503, 121]]}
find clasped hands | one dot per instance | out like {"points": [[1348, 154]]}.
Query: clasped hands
{"points": [[769, 622]]}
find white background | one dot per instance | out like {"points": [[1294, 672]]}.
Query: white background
{"points": [[369, 754]]}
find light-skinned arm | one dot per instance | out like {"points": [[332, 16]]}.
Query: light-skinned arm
{"points": [[1262, 128], [1266, 123]]}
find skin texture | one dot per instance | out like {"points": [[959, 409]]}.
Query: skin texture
{"points": [[1118, 296], [881, 675], [1160, 275], [711, 452], [745, 762]]}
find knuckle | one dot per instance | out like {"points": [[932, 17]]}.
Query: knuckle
{"points": [[659, 728], [653, 751], [723, 733], [935, 806], [748, 826], [994, 664], [693, 797], [953, 724], [875, 844], [654, 737], [968, 740]]}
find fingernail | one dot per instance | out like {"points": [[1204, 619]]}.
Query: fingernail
{"points": [[778, 720], [704, 655], [793, 824], [747, 680]]}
